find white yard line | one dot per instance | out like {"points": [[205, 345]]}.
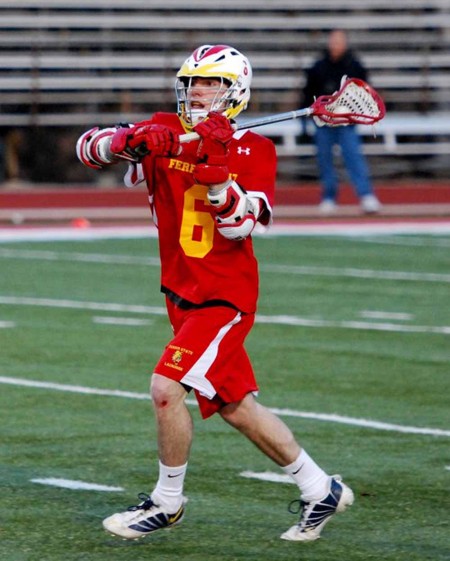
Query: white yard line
{"points": [[7, 324], [428, 241], [103, 258], [351, 272], [355, 273], [274, 477], [358, 325], [333, 418], [132, 322], [71, 389], [276, 319], [267, 476], [75, 484], [376, 314], [80, 305]]}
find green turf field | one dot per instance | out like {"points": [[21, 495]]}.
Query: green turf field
{"points": [[351, 328]]}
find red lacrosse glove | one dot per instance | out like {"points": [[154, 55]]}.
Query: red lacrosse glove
{"points": [[216, 133], [140, 140]]}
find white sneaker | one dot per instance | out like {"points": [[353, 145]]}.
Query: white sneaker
{"points": [[315, 514], [370, 204], [327, 207], [140, 520]]}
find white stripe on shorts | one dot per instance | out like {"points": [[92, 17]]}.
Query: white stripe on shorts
{"points": [[196, 377]]}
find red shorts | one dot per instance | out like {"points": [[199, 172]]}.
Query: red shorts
{"points": [[207, 353]]}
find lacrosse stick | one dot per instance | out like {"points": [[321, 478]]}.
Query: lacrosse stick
{"points": [[356, 103]]}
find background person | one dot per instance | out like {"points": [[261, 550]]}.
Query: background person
{"points": [[324, 78]]}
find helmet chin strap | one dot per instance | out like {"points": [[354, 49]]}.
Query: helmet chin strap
{"points": [[197, 115]]}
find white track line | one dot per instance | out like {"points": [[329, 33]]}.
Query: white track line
{"points": [[276, 319], [301, 229], [281, 412], [76, 234], [352, 230], [74, 484]]}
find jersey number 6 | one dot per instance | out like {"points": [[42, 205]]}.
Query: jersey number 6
{"points": [[197, 226]]}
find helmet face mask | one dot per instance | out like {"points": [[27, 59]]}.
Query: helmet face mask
{"points": [[198, 96], [213, 78]]}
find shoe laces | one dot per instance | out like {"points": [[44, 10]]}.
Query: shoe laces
{"points": [[145, 504], [305, 509], [296, 506], [313, 513]]}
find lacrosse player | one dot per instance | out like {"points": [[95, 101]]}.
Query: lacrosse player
{"points": [[206, 197]]}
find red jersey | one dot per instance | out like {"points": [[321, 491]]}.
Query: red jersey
{"points": [[198, 264]]}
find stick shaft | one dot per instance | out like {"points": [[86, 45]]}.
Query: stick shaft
{"points": [[259, 122]]}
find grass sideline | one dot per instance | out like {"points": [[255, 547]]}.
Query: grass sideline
{"points": [[400, 480]]}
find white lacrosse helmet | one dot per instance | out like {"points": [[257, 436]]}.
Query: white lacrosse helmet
{"points": [[214, 61]]}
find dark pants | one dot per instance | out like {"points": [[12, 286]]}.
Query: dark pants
{"points": [[350, 143]]}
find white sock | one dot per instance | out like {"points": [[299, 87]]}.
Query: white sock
{"points": [[312, 481], [168, 492]]}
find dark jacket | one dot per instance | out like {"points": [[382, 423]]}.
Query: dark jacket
{"points": [[324, 77]]}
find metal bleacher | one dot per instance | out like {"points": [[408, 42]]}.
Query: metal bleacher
{"points": [[70, 64]]}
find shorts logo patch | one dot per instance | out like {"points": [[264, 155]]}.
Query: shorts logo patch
{"points": [[177, 356]]}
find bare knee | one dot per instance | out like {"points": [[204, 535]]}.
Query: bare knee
{"points": [[240, 413], [166, 393]]}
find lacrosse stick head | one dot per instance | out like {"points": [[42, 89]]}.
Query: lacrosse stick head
{"points": [[356, 103]]}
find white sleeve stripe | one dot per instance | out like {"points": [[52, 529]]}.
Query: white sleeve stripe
{"points": [[134, 175]]}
